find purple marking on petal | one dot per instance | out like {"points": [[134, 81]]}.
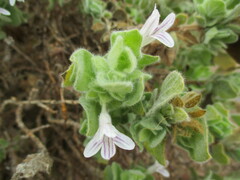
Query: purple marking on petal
{"points": [[159, 27], [123, 141], [166, 24], [109, 147], [164, 38], [117, 138], [105, 145], [120, 141], [151, 23], [96, 144]]}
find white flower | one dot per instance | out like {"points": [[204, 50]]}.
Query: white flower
{"points": [[152, 30], [156, 167], [12, 2], [106, 137], [4, 12]]}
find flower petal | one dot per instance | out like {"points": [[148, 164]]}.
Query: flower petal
{"points": [[12, 2], [108, 148], [109, 130], [151, 23], [163, 172], [164, 38], [147, 40], [4, 12], [94, 145], [166, 24], [123, 141]]}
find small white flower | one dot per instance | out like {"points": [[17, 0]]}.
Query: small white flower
{"points": [[106, 137], [153, 30], [4, 12], [156, 167], [12, 2]]}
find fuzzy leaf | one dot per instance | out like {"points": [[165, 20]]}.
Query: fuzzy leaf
{"points": [[131, 38], [217, 117], [157, 139], [137, 93], [196, 144], [191, 99], [116, 50], [177, 101], [109, 84], [112, 172], [147, 60], [92, 110], [180, 115], [218, 153], [144, 134], [152, 123], [70, 76], [171, 87], [126, 62], [158, 152], [215, 8], [100, 64], [80, 73], [122, 87]]}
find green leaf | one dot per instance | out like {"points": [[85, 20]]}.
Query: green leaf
{"points": [[137, 93], [111, 84], [215, 8], [217, 117], [122, 87], [116, 50], [158, 152], [131, 38], [100, 64], [133, 175], [70, 76], [17, 16], [80, 73], [200, 72], [152, 123], [180, 115], [210, 34], [196, 144], [112, 172], [135, 128], [218, 153], [144, 134], [157, 139], [147, 60], [92, 110], [236, 118], [182, 18], [171, 87], [127, 61]]}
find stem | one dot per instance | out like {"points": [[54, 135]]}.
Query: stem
{"points": [[104, 108]]}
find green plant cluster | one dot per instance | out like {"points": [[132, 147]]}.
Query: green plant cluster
{"points": [[16, 18], [135, 10], [115, 171], [115, 79], [203, 31]]}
